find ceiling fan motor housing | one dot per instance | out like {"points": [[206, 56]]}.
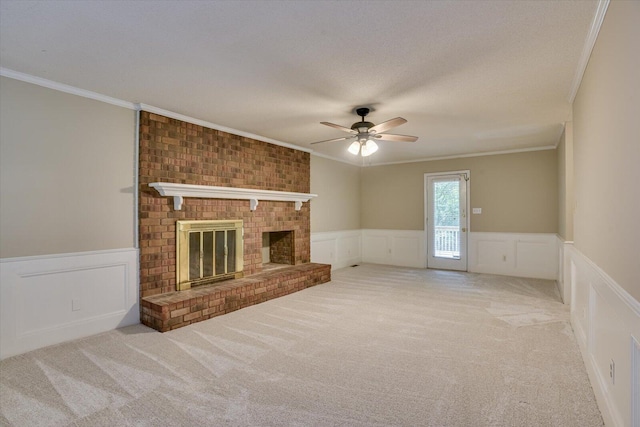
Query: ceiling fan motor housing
{"points": [[357, 126]]}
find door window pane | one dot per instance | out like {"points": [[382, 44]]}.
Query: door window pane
{"points": [[446, 218]]}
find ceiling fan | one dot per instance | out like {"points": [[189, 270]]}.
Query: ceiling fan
{"points": [[364, 133]]}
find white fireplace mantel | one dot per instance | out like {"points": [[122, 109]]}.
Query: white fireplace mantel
{"points": [[180, 191]]}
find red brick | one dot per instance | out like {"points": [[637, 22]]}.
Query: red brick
{"points": [[180, 312], [192, 316]]}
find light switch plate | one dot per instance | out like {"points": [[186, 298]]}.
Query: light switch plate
{"points": [[477, 210]]}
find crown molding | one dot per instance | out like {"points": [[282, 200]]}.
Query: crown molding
{"points": [[462, 156], [335, 159], [61, 87], [589, 43]]}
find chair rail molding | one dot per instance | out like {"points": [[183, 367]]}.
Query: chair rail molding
{"points": [[180, 191]]}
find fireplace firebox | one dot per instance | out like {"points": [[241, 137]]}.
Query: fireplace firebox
{"points": [[278, 248]]}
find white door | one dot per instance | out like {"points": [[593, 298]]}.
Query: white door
{"points": [[447, 222]]}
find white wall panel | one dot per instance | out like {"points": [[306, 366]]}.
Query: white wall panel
{"points": [[606, 321], [47, 300], [338, 248], [580, 297], [349, 249], [514, 254], [323, 251], [404, 248], [564, 271], [491, 254]]}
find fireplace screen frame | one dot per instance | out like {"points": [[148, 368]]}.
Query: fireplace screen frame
{"points": [[185, 257]]}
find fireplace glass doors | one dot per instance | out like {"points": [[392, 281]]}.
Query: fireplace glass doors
{"points": [[208, 251]]}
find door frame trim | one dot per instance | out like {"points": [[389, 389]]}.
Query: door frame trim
{"points": [[425, 224]]}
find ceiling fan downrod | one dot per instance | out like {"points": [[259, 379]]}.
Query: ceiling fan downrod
{"points": [[362, 126], [362, 112]]}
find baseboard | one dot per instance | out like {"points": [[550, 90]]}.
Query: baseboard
{"points": [[532, 255], [606, 322], [50, 299], [338, 248]]}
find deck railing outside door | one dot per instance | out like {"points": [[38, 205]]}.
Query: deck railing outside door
{"points": [[447, 241]]}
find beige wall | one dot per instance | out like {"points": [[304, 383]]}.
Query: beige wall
{"points": [[565, 183], [606, 121], [517, 192], [337, 185], [66, 172]]}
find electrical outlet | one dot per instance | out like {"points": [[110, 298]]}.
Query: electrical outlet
{"points": [[612, 371], [504, 258], [75, 304]]}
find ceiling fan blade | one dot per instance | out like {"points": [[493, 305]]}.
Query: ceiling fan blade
{"points": [[399, 138], [388, 125], [334, 139], [342, 128]]}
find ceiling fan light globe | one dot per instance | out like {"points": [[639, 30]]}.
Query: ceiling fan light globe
{"points": [[369, 148], [354, 148]]}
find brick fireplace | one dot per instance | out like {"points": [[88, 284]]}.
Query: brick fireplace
{"points": [[174, 151]]}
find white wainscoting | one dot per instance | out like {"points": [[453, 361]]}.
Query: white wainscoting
{"points": [[338, 248], [564, 270], [514, 254], [606, 322], [404, 248], [46, 300]]}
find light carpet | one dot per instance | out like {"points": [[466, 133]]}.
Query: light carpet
{"points": [[376, 346]]}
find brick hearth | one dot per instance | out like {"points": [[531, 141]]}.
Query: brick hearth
{"points": [[176, 309]]}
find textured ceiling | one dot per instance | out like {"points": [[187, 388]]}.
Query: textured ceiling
{"points": [[469, 76]]}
